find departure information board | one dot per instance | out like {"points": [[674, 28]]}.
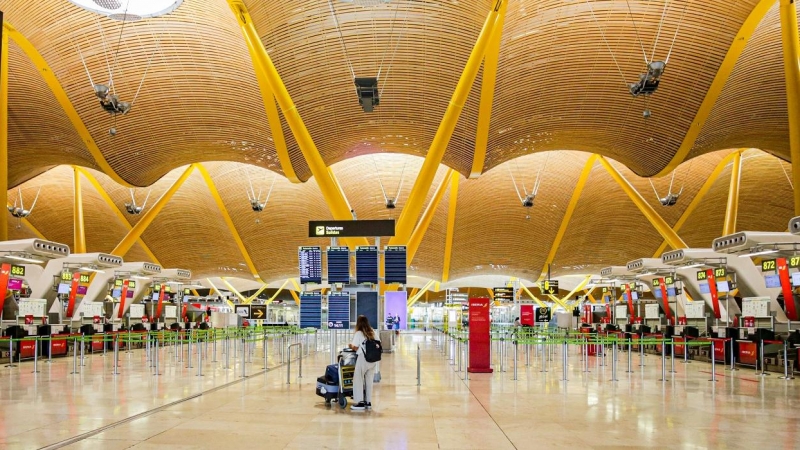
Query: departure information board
{"points": [[310, 310], [339, 311], [339, 265], [310, 259], [504, 294], [366, 264], [394, 264]]}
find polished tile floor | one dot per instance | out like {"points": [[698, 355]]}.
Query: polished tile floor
{"points": [[487, 411]]}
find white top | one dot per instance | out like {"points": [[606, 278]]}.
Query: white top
{"points": [[359, 339]]}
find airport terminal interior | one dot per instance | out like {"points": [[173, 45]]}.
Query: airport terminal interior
{"points": [[570, 224]]}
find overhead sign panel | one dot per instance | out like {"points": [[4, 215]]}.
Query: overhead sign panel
{"points": [[549, 287], [339, 265], [394, 262], [350, 228], [503, 294], [366, 264], [258, 311], [310, 260], [339, 311], [310, 310]]}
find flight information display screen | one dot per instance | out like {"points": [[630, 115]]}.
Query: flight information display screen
{"points": [[310, 259], [310, 310], [394, 264], [339, 311], [339, 265], [366, 264]]}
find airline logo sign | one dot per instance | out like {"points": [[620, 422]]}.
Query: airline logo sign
{"points": [[243, 311]]}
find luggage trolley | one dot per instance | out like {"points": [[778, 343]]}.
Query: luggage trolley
{"points": [[343, 387]]}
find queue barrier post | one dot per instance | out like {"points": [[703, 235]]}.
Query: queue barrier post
{"points": [[786, 374], [713, 363], [419, 377]]}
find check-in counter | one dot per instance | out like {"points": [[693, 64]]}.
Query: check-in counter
{"points": [[721, 348]]}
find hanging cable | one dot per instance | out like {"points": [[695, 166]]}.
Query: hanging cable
{"points": [[142, 82], [680, 22], [603, 34], [341, 39], [513, 180], [391, 29], [385, 198], [636, 29], [400, 186], [658, 33], [105, 55], [788, 178], [119, 38], [84, 66], [394, 51]]}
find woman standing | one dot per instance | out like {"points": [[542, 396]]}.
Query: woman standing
{"points": [[362, 378]]}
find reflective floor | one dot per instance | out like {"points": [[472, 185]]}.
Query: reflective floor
{"points": [[487, 411]]}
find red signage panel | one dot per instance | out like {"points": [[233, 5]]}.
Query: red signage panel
{"points": [[526, 315], [73, 292], [630, 300], [160, 301], [5, 271], [665, 297], [786, 288], [712, 288], [122, 298], [479, 336]]}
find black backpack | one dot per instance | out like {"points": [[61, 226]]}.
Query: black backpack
{"points": [[372, 350]]}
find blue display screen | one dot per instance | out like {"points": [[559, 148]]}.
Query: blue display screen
{"points": [[310, 310], [772, 281], [704, 289]]}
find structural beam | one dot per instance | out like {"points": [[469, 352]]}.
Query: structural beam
{"points": [[419, 294], [262, 62], [732, 209], [273, 118], [4, 132], [419, 192], [652, 216], [530, 294], [351, 242], [413, 242], [228, 221], [79, 232], [451, 226], [113, 206], [573, 202], [63, 100], [255, 296], [580, 286], [277, 292], [242, 298], [230, 303], [738, 45], [298, 289], [791, 65], [490, 61], [710, 180], [136, 232]]}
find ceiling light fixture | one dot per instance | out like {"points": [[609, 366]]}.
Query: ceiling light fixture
{"points": [[762, 252], [91, 269], [692, 266], [24, 259], [129, 10]]}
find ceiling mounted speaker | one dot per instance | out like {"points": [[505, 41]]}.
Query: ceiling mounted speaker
{"points": [[108, 4]]}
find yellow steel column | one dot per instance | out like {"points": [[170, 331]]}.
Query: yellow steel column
{"points": [[333, 197], [573, 202], [419, 192], [415, 240], [136, 232], [77, 215], [652, 216], [232, 289], [4, 134], [732, 210], [451, 225], [490, 61], [791, 64]]}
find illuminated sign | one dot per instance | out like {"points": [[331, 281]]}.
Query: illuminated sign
{"points": [[18, 271], [768, 265], [549, 287]]}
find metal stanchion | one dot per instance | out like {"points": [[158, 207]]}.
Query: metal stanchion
{"points": [[641, 352], [199, 363], [265, 351], [515, 359], [419, 376], [157, 358], [289, 363], [786, 374], [188, 337], [763, 366], [614, 362], [74, 358], [630, 349], [663, 362], [83, 344], [564, 361], [543, 368], [35, 356], [672, 356], [50, 350], [733, 358], [713, 363], [116, 355]]}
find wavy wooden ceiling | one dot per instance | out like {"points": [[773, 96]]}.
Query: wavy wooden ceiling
{"points": [[492, 236], [558, 88], [558, 84]]}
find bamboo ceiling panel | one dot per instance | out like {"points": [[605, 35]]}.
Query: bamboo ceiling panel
{"points": [[493, 234], [200, 100], [18, 230], [424, 46], [751, 111], [54, 209], [765, 195], [558, 85], [191, 233], [606, 229], [39, 133]]}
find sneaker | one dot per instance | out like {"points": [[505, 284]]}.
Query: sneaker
{"points": [[360, 406], [369, 405]]}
